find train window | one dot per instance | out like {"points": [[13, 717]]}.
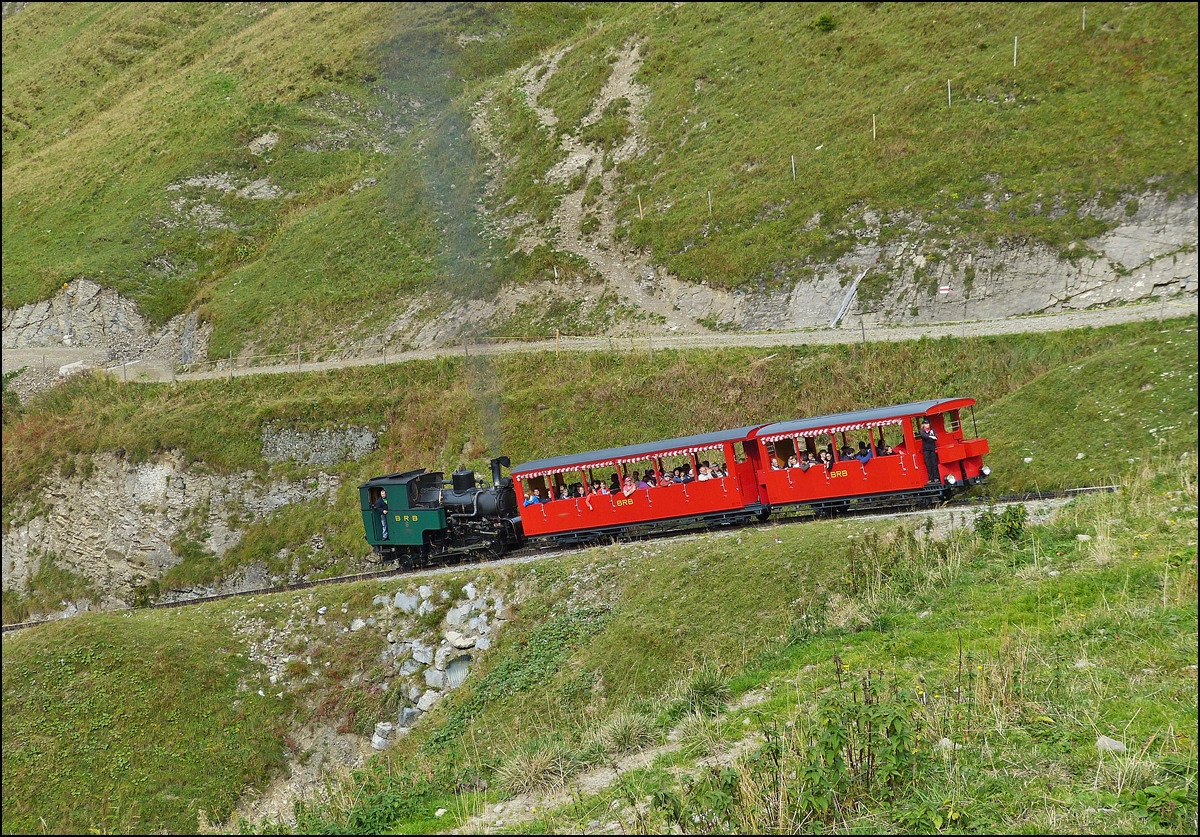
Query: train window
{"points": [[785, 449], [739, 452], [823, 442], [538, 483], [952, 421]]}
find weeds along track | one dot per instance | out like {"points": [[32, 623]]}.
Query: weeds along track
{"points": [[901, 508]]}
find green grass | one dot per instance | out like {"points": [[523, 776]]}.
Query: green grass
{"points": [[1118, 95], [132, 724], [801, 614], [107, 106], [1124, 403]]}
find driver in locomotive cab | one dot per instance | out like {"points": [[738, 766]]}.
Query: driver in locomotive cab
{"points": [[381, 507]]}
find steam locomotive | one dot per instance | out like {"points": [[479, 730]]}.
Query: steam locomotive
{"points": [[805, 466], [423, 516]]}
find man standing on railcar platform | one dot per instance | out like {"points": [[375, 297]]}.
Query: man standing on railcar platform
{"points": [[929, 448]]}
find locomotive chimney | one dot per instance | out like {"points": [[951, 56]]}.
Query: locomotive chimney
{"points": [[497, 463]]}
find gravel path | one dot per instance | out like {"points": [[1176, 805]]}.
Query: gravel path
{"points": [[846, 334]]}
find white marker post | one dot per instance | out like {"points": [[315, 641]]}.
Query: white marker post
{"points": [[1014, 50], [947, 92]]}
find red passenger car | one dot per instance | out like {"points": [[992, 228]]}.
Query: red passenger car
{"points": [[651, 500], [870, 454]]}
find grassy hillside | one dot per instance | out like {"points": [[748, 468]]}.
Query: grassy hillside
{"points": [[1021, 650], [127, 131], [1044, 396]]}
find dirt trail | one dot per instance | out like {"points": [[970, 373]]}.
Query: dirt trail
{"points": [[621, 269], [811, 337], [525, 808]]}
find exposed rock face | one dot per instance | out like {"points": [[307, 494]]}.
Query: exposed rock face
{"points": [[86, 314], [116, 527], [325, 447], [1149, 253]]}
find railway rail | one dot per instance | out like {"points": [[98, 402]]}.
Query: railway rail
{"points": [[548, 550]]}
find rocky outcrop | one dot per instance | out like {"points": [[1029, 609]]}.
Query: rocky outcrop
{"points": [[420, 663], [325, 447], [116, 526], [1149, 253], [84, 314]]}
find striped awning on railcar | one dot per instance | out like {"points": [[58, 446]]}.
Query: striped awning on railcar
{"points": [[857, 420], [609, 457]]}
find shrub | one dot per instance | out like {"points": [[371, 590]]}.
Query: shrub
{"points": [[626, 732], [707, 692], [539, 767], [699, 735], [1009, 524]]}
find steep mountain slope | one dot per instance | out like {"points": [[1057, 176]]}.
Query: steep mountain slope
{"points": [[328, 175]]}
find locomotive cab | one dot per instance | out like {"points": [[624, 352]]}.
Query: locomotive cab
{"points": [[407, 520]]}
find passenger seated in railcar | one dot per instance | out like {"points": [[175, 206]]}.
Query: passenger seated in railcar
{"points": [[827, 458], [864, 454], [628, 487], [534, 498], [614, 484], [793, 461]]}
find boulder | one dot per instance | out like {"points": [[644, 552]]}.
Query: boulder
{"points": [[421, 652], [406, 603], [1109, 745], [460, 641], [382, 739], [428, 700], [435, 679]]}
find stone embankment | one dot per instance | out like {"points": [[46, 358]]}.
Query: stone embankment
{"points": [[1149, 254], [421, 663]]}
